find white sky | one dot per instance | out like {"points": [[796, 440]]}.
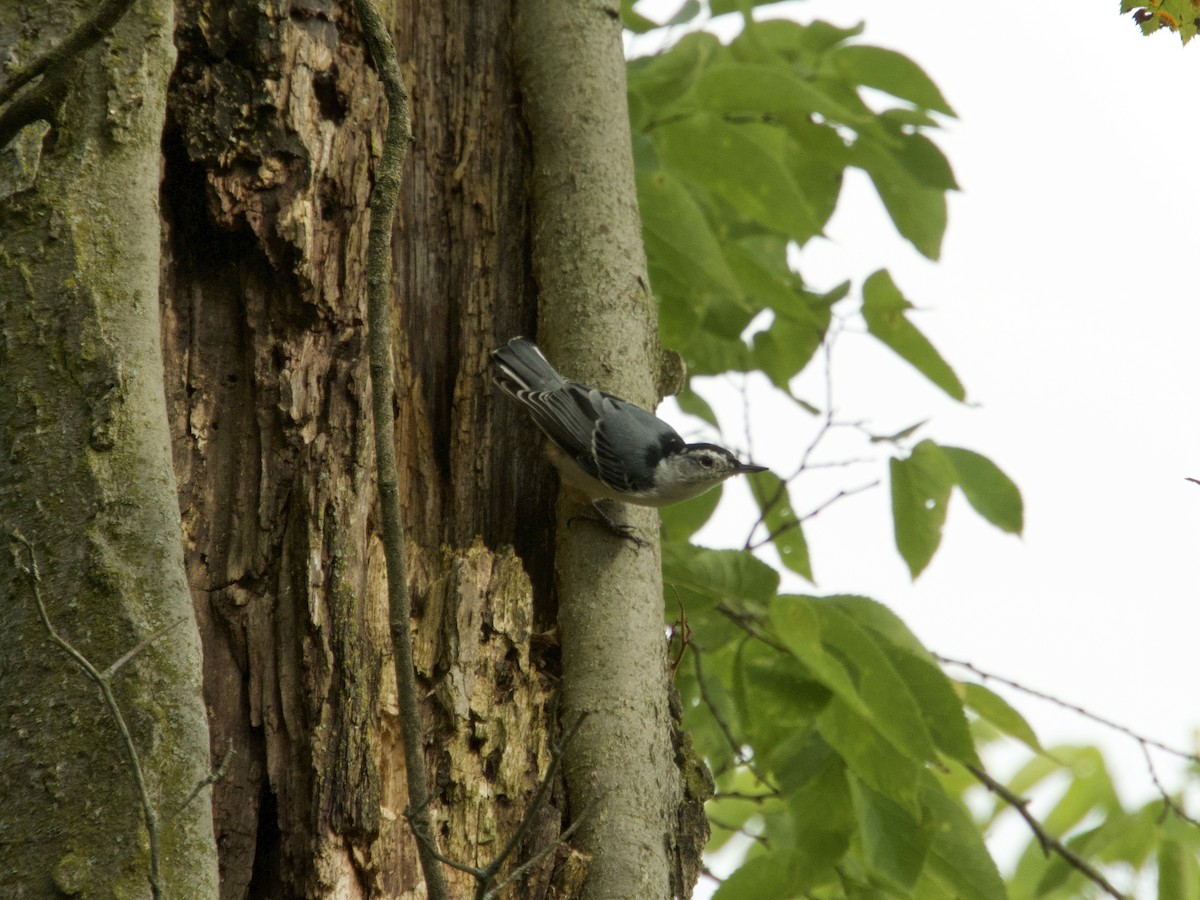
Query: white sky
{"points": [[1065, 301]]}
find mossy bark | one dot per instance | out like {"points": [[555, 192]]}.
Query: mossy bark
{"points": [[85, 474]]}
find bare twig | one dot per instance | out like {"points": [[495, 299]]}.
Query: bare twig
{"points": [[485, 875], [142, 645], [1078, 710], [682, 629], [1049, 843], [212, 777], [102, 680], [87, 33], [829, 423], [742, 830], [734, 744], [520, 870], [749, 624], [814, 512], [1169, 804]]}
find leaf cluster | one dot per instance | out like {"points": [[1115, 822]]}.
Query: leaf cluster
{"points": [[841, 749]]}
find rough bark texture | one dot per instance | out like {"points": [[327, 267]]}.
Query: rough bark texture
{"points": [[85, 473], [275, 120], [598, 323]]}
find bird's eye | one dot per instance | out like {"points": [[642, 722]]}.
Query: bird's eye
{"points": [[707, 461]]}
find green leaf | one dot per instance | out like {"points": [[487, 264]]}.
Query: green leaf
{"points": [[721, 7], [761, 90], [742, 164], [775, 696], [781, 521], [917, 210], [679, 239], [941, 707], [695, 405], [894, 843], [921, 159], [770, 875], [851, 662], [681, 520], [797, 625], [884, 309], [874, 615], [893, 708], [995, 709], [921, 488], [1178, 873], [635, 21], [716, 575], [958, 864], [890, 72], [869, 755], [791, 41], [659, 85], [992, 493]]}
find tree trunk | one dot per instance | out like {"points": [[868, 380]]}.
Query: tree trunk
{"points": [[600, 324], [85, 475], [274, 120]]}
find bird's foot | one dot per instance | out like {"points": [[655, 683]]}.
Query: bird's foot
{"points": [[620, 529]]}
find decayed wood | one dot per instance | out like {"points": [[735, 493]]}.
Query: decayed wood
{"points": [[274, 122]]}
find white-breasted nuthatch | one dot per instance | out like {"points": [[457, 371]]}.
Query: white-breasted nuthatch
{"points": [[605, 448]]}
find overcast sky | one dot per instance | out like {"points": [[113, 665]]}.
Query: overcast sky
{"points": [[1066, 301]]}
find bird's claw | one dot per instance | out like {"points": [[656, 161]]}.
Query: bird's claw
{"points": [[621, 530]]}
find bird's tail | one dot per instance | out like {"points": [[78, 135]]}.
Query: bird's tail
{"points": [[521, 367]]}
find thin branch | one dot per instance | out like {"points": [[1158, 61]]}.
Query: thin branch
{"points": [[749, 624], [743, 830], [812, 514], [493, 868], [734, 744], [1169, 804], [829, 423], [212, 777], [33, 576], [1078, 710], [140, 646], [545, 851], [1049, 843], [379, 326], [89, 32]]}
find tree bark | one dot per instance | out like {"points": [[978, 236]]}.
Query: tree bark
{"points": [[85, 474], [275, 120], [598, 322]]}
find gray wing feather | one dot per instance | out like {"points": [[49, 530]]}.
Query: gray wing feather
{"points": [[588, 424], [642, 438]]}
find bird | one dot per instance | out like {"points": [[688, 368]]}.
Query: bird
{"points": [[606, 448]]}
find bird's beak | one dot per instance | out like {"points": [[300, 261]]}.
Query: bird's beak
{"points": [[747, 469]]}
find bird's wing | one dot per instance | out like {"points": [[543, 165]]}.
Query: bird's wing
{"points": [[627, 443]]}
